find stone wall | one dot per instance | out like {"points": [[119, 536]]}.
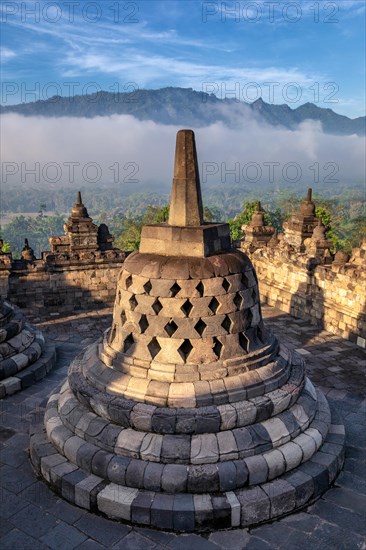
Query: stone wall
{"points": [[331, 296], [44, 291]]}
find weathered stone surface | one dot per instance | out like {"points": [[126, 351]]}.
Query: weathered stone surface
{"points": [[191, 411]]}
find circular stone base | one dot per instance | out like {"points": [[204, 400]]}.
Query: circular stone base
{"points": [[242, 507], [30, 374]]}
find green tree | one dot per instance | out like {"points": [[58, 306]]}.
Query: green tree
{"points": [[274, 218]]}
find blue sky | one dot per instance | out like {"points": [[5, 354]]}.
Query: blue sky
{"points": [[287, 52]]}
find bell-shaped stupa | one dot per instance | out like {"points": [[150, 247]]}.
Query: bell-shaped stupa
{"points": [[189, 414]]}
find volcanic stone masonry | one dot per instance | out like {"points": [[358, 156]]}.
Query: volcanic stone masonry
{"points": [[79, 272], [25, 357], [189, 414]]}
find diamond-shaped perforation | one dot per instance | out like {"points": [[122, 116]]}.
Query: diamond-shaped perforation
{"points": [[170, 328], [128, 342], [128, 282], [243, 341], [244, 280], [260, 334], [227, 323], [174, 290], [113, 334], [248, 317], [143, 323], [133, 302], [154, 347], [225, 284], [217, 348], [200, 289], [185, 349], [238, 300], [200, 327], [187, 308], [147, 287], [123, 317], [157, 307], [214, 305]]}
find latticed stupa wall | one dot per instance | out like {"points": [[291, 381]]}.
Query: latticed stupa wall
{"points": [[188, 414]]}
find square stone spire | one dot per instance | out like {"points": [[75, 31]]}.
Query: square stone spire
{"points": [[186, 234], [186, 200]]}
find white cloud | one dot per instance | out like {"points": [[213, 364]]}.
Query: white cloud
{"points": [[150, 146], [6, 54]]}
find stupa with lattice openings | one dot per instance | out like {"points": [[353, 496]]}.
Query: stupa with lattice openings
{"points": [[189, 414]]}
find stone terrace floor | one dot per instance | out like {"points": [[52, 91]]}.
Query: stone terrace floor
{"points": [[34, 517]]}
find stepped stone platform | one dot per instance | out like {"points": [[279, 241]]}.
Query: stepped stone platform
{"points": [[25, 356], [188, 414], [33, 516]]}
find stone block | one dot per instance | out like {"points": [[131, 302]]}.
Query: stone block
{"points": [[162, 511], [140, 508], [307, 445], [152, 476], [163, 421], [151, 447], [203, 478], [135, 474], [261, 438], [203, 510], [68, 484], [255, 506], [228, 449], [176, 448], [235, 508], [204, 449], [116, 470], [276, 463], [84, 456], [115, 501], [257, 468], [100, 463], [221, 511], [174, 478], [303, 484], [49, 462], [244, 441], [318, 473], [84, 491], [282, 497], [129, 443], [292, 454], [183, 512], [227, 476]]}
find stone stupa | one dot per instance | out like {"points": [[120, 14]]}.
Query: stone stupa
{"points": [[25, 356], [189, 414]]}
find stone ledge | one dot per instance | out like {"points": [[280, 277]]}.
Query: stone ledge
{"points": [[31, 373], [243, 507]]}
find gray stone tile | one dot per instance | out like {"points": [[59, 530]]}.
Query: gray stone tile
{"points": [[192, 542], [17, 540], [231, 540], [104, 531], [134, 541], [34, 521], [90, 544], [67, 512], [63, 537]]}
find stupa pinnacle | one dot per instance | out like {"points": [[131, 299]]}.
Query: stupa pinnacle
{"points": [[186, 200], [189, 414]]}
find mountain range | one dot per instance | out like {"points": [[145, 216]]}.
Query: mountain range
{"points": [[187, 107]]}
